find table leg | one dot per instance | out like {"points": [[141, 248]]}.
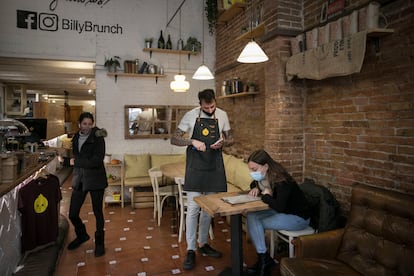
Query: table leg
{"points": [[236, 247]]}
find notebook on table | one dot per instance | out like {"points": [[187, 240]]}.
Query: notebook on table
{"points": [[239, 199]]}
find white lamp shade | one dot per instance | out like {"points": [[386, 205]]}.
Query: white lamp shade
{"points": [[179, 84], [203, 73], [252, 53]]}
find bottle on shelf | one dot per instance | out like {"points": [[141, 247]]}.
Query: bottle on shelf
{"points": [[180, 44], [169, 44], [161, 42]]}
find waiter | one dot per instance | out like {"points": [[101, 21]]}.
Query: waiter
{"points": [[204, 130]]}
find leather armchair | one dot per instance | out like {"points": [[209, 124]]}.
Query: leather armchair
{"points": [[377, 239]]}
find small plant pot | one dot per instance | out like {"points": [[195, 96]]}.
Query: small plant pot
{"points": [[112, 68], [148, 44]]}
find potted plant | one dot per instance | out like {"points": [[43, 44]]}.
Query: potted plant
{"points": [[211, 9], [193, 45], [148, 42], [112, 64], [251, 86]]}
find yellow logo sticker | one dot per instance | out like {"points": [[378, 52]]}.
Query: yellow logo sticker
{"points": [[40, 204], [205, 132]]}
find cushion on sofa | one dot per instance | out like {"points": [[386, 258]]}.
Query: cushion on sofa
{"points": [[157, 160], [237, 172], [143, 181], [229, 166], [242, 178], [136, 165]]}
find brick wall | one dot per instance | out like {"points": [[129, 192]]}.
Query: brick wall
{"points": [[337, 131], [360, 128]]}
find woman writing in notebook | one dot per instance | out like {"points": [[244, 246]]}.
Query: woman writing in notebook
{"points": [[89, 175], [289, 209]]}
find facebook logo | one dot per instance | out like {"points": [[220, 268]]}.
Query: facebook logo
{"points": [[26, 19], [30, 20]]}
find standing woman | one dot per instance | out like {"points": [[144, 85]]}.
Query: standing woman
{"points": [[289, 209], [89, 175]]}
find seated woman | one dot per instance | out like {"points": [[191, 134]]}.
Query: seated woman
{"points": [[289, 209]]}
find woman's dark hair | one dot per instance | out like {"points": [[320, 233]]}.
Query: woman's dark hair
{"points": [[85, 115], [207, 95], [276, 172]]}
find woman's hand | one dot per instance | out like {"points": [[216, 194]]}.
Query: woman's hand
{"points": [[267, 191], [72, 161], [254, 192]]}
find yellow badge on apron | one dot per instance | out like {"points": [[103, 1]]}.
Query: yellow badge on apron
{"points": [[205, 132]]}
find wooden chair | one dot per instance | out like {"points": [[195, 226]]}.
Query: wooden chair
{"points": [[161, 193], [182, 201]]}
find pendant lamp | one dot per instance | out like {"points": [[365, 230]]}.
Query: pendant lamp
{"points": [[203, 73], [179, 84], [252, 53]]}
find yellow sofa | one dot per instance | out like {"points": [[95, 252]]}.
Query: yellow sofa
{"points": [[136, 175], [136, 168], [237, 174]]}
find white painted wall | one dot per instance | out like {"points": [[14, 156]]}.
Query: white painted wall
{"points": [[139, 19]]}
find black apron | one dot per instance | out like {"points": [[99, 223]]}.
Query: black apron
{"points": [[204, 171]]}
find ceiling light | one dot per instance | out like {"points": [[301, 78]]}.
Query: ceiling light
{"points": [[203, 73], [82, 80], [90, 91], [179, 84], [252, 53]]}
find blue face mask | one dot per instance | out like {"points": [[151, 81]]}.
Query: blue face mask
{"points": [[257, 175]]}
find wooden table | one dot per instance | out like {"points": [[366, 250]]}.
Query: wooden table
{"points": [[215, 206], [173, 170]]}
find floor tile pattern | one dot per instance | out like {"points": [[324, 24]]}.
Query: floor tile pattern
{"points": [[136, 245]]}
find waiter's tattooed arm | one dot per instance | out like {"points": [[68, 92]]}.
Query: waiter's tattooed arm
{"points": [[178, 139], [228, 138]]}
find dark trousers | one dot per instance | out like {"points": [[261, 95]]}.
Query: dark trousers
{"points": [[76, 202]]}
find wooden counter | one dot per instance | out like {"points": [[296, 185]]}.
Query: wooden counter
{"points": [[7, 187]]}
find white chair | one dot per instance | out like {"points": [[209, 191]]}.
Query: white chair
{"points": [[182, 201], [288, 236], [161, 193]]}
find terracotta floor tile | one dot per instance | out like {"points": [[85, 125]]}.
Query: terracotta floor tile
{"points": [[134, 243]]}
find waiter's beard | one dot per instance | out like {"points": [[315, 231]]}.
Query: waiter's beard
{"points": [[209, 114]]}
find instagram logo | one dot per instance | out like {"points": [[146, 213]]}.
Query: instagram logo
{"points": [[48, 21], [30, 20]]}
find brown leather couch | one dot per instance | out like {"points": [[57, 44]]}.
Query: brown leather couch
{"points": [[378, 239]]}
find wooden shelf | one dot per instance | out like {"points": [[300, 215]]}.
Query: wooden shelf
{"points": [[254, 33], [132, 75], [116, 170], [241, 94], [168, 51], [379, 32], [231, 12]]}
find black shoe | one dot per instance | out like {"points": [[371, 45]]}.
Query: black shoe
{"points": [[99, 250], [206, 250], [263, 265], [189, 261], [78, 241]]}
